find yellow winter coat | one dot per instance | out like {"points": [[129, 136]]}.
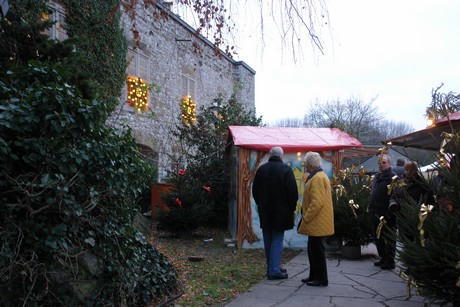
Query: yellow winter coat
{"points": [[317, 210]]}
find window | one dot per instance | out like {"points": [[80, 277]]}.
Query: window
{"points": [[138, 93], [138, 64], [137, 81], [188, 86], [188, 106], [188, 110], [57, 16]]}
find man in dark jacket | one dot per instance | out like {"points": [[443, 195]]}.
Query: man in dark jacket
{"points": [[415, 191], [379, 202], [275, 193]]}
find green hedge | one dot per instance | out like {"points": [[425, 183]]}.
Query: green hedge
{"points": [[69, 185]]}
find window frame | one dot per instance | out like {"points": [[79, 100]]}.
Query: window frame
{"points": [[57, 16], [138, 68]]}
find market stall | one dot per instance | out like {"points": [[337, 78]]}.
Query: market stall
{"points": [[248, 147]]}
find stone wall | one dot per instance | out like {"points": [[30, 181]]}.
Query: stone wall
{"points": [[167, 58]]}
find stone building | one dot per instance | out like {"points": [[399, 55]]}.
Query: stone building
{"points": [[186, 73]]}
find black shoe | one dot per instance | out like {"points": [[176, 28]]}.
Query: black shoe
{"points": [[388, 266], [277, 276], [317, 283], [306, 280], [282, 271], [380, 262]]}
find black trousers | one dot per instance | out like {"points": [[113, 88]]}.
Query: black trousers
{"points": [[386, 244], [317, 259]]}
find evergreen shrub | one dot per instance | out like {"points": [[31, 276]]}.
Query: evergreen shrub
{"points": [[201, 182], [69, 185], [350, 194]]}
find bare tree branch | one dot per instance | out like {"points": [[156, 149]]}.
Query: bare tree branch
{"points": [[355, 116], [298, 21]]}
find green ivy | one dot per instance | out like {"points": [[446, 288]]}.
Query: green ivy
{"points": [[69, 184]]}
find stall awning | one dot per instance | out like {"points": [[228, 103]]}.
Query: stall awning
{"points": [[291, 139], [429, 138]]}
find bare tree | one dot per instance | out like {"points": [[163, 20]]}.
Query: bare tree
{"points": [[354, 116], [288, 122], [358, 118], [389, 129], [297, 21]]}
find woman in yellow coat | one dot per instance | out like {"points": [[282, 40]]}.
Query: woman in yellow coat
{"points": [[317, 218]]}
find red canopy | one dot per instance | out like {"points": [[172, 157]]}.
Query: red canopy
{"points": [[291, 139]]}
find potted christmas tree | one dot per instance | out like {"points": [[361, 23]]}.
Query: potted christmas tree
{"points": [[350, 196]]}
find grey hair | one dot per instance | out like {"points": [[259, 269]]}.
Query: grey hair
{"points": [[313, 159], [388, 158], [276, 151]]}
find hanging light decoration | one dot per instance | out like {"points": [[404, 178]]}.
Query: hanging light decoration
{"points": [[188, 108], [138, 93]]}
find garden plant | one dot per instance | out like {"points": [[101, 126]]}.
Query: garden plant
{"points": [[69, 184]]}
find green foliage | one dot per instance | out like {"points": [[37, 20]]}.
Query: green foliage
{"points": [[65, 189], [430, 232], [69, 185], [430, 236], [206, 166], [350, 194], [190, 205], [101, 47]]}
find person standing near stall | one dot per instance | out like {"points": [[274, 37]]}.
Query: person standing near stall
{"points": [[379, 202], [317, 219], [275, 193]]}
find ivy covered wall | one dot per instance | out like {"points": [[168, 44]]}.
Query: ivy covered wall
{"points": [[169, 54]]}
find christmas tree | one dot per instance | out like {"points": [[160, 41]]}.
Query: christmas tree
{"points": [[429, 230], [350, 196]]}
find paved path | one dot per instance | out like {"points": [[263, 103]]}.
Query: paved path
{"points": [[351, 283]]}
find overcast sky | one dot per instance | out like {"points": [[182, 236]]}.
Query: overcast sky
{"points": [[397, 51]]}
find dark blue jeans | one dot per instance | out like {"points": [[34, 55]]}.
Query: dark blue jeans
{"points": [[273, 245]]}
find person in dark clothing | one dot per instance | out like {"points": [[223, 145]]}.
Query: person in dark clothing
{"points": [[275, 193], [379, 202], [399, 169], [415, 191]]}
